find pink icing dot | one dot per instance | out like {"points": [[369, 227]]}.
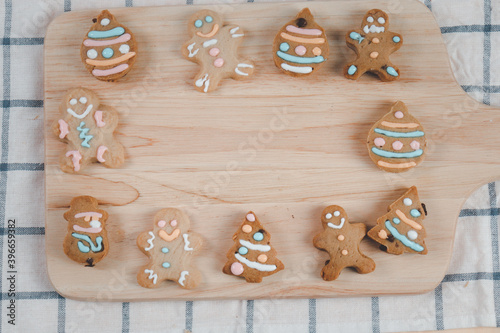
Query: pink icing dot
{"points": [[398, 114], [218, 62], [415, 144], [251, 217], [214, 52], [379, 142], [162, 223], [236, 268], [300, 50], [397, 145], [173, 223]]}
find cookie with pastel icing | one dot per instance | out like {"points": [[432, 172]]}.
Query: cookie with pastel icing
{"points": [[401, 229], [396, 143], [300, 47], [252, 257], [109, 49], [341, 240], [373, 44], [170, 247], [86, 240]]}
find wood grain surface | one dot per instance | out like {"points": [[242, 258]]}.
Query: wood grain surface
{"points": [[283, 147]]}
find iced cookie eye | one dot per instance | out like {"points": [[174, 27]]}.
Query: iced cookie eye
{"points": [[381, 20], [369, 19], [328, 216], [73, 101], [198, 23], [104, 22], [83, 100], [209, 19]]}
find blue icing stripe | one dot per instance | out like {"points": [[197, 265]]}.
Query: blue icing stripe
{"points": [[414, 134], [390, 154], [115, 32], [85, 238], [83, 248], [300, 60], [406, 242]]}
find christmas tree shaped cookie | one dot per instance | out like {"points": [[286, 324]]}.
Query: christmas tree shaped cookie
{"points": [[252, 256], [401, 229], [396, 143]]}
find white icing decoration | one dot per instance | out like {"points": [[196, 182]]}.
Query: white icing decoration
{"points": [[151, 276], [186, 243], [232, 32], [124, 48], [336, 213], [199, 82], [80, 116], [412, 234], [381, 20], [183, 277], [333, 226], [105, 22], [73, 101], [242, 66], [369, 19], [150, 241], [255, 265], [297, 69], [210, 42], [328, 216], [256, 247], [373, 28], [190, 49], [407, 202], [83, 100], [92, 54], [95, 224]]}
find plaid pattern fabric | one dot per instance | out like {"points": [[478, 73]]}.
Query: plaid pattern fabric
{"points": [[468, 296]]}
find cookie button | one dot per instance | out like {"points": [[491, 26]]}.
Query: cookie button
{"points": [[107, 52], [262, 258], [397, 145], [214, 52], [379, 142], [382, 234], [92, 54], [415, 145], [374, 55], [345, 252], [165, 265], [250, 217], [242, 250], [396, 39], [300, 50], [399, 114], [218, 62], [375, 40], [258, 236], [341, 238], [317, 51], [246, 228], [236, 268], [124, 48], [164, 249]]}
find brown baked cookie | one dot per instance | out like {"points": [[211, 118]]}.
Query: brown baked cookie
{"points": [[87, 239], [252, 256], [87, 127], [401, 229], [300, 47], [109, 48], [396, 143], [341, 240], [214, 47], [373, 44], [170, 247]]}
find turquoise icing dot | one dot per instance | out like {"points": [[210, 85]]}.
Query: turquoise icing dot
{"points": [[415, 213], [165, 265], [107, 52], [243, 250], [396, 39], [209, 19], [164, 249], [198, 23], [396, 220], [258, 236], [392, 71], [284, 47], [353, 69]]}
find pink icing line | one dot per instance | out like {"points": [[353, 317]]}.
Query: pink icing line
{"points": [[122, 39], [88, 230], [63, 127], [93, 214], [302, 31], [98, 119], [100, 151], [76, 158], [111, 71]]}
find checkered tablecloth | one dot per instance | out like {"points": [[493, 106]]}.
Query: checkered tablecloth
{"points": [[468, 296]]}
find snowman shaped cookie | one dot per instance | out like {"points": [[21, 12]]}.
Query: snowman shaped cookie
{"points": [[215, 48]]}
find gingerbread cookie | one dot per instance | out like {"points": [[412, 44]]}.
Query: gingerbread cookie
{"points": [[396, 143], [87, 239], [252, 256], [341, 240], [109, 49], [401, 229], [170, 247], [373, 44], [300, 47], [87, 127], [214, 47]]}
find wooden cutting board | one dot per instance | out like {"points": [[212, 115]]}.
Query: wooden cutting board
{"points": [[182, 147]]}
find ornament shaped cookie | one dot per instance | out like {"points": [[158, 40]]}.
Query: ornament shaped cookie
{"points": [[341, 240], [87, 127], [170, 247], [109, 49], [300, 47], [396, 143], [87, 240], [214, 47], [373, 44], [401, 229], [252, 256]]}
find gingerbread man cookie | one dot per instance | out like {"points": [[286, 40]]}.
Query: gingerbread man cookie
{"points": [[341, 240], [215, 48], [170, 247], [109, 49], [87, 127], [87, 239], [373, 44]]}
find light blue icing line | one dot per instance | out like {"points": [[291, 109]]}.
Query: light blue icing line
{"points": [[83, 135], [392, 71], [352, 70], [95, 248], [396, 220], [300, 60], [414, 134], [406, 242], [354, 35], [115, 32], [390, 154], [415, 213], [83, 248]]}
